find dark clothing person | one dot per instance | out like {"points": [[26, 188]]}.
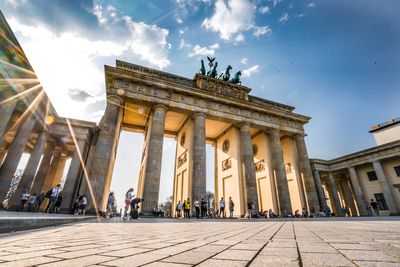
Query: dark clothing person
{"points": [[374, 205], [23, 200], [39, 201], [203, 207], [58, 203]]}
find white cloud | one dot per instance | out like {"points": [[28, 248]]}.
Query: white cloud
{"points": [[231, 18], [264, 10], [204, 51], [248, 72], [179, 20], [239, 38], [149, 42], [258, 31], [311, 4], [284, 18], [16, 3], [276, 1], [243, 61], [183, 44], [105, 15]]}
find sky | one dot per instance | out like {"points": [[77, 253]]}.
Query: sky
{"points": [[335, 61]]}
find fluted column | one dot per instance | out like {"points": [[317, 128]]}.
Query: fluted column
{"points": [[320, 190], [101, 169], [199, 157], [249, 170], [6, 111], [152, 172], [30, 170], [305, 170], [334, 195], [358, 193], [278, 167], [50, 177], [348, 197], [386, 188], [41, 174], [70, 188], [14, 154], [3, 153]]}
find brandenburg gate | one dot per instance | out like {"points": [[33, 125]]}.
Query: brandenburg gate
{"points": [[260, 153]]}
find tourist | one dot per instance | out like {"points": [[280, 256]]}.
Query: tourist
{"points": [[82, 205], [328, 211], [374, 205], [203, 207], [271, 214], [222, 207], [231, 207], [128, 198], [250, 209], [304, 212], [178, 209], [52, 194], [197, 208], [110, 204], [369, 209], [24, 198], [39, 201], [75, 207], [187, 208], [297, 214], [58, 203], [31, 201]]}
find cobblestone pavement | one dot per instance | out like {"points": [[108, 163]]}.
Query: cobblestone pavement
{"points": [[207, 243]]}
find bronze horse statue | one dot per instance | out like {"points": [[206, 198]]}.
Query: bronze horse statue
{"points": [[225, 76], [236, 78]]}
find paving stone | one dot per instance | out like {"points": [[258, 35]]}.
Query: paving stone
{"points": [[234, 254], [290, 253], [248, 246], [317, 249], [351, 246], [135, 260], [125, 252], [166, 264], [77, 262], [190, 257], [261, 261], [313, 259], [222, 263], [28, 255], [368, 255], [211, 248], [376, 264], [29, 262]]}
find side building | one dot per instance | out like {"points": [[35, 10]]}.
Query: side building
{"points": [[351, 181]]}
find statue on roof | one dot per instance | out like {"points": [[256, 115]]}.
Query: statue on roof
{"points": [[236, 78]]}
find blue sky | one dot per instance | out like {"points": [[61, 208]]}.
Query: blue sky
{"points": [[335, 61]]}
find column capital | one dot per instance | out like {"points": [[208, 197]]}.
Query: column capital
{"points": [[159, 106], [199, 113], [273, 131], [115, 99], [299, 136], [245, 126]]}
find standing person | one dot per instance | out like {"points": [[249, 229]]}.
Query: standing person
{"points": [[369, 209], [231, 207], [203, 206], [82, 205], [374, 205], [197, 208], [75, 208], [178, 209], [222, 207], [250, 209], [187, 208], [271, 214], [128, 198], [31, 202], [53, 195], [110, 204], [39, 201], [58, 203], [184, 208], [24, 198]]}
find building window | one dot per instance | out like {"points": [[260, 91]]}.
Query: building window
{"points": [[380, 199], [397, 170], [372, 176]]}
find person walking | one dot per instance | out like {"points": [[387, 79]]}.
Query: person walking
{"points": [[53, 197], [24, 198], [58, 203], [231, 207], [178, 209], [222, 207], [369, 209], [75, 208], [110, 204], [197, 208], [203, 207], [82, 205], [39, 201], [374, 205], [31, 202], [128, 199]]}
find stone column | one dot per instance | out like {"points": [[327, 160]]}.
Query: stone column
{"points": [[72, 181], [386, 188], [305, 170], [14, 154], [2, 155], [334, 195], [320, 190], [249, 169], [358, 193], [41, 174], [348, 197], [102, 166], [152, 170], [199, 157], [50, 177], [30, 170], [6, 111], [278, 167]]}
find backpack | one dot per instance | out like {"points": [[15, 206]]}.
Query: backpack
{"points": [[48, 194]]}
